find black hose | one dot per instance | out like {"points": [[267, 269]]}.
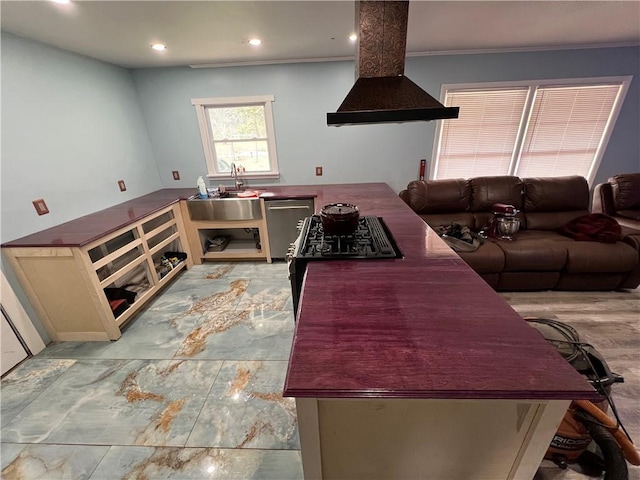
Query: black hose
{"points": [[615, 464]]}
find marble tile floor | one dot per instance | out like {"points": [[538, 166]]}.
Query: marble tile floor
{"points": [[192, 390]]}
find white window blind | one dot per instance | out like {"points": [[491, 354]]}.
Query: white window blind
{"points": [[565, 130], [529, 129], [482, 139]]}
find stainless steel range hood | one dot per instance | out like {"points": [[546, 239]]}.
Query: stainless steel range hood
{"points": [[382, 94]]}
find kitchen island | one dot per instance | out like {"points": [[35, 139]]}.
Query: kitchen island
{"points": [[414, 367]]}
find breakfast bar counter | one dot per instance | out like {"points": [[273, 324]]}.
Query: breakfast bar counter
{"points": [[406, 366]]}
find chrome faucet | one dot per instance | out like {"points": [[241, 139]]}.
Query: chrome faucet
{"points": [[234, 174]]}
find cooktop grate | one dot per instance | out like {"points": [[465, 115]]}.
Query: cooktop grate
{"points": [[371, 239]]}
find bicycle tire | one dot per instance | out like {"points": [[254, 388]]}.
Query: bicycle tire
{"points": [[614, 461]]}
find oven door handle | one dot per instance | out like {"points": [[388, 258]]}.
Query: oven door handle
{"points": [[294, 207]]}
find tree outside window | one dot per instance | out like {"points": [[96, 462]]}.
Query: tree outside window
{"points": [[238, 131]]}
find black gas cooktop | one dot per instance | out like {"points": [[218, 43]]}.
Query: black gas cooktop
{"points": [[371, 240]]}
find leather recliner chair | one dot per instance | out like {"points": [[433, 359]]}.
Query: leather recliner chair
{"points": [[619, 198]]}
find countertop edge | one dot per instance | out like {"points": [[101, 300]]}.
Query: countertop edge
{"points": [[445, 395]]}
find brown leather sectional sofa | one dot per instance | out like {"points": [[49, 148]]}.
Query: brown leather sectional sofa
{"points": [[619, 198], [539, 258]]}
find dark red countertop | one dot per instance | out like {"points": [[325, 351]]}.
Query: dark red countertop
{"points": [[424, 326], [84, 230]]}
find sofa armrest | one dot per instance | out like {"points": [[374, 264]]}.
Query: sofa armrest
{"points": [[603, 200], [405, 196], [437, 196], [631, 237], [626, 191]]}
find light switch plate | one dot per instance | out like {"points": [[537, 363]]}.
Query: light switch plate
{"points": [[121, 185], [40, 206], [318, 171], [176, 175]]}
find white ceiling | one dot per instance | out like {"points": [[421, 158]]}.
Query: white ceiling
{"points": [[216, 32]]}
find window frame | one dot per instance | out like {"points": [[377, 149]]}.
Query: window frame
{"points": [[206, 135], [533, 85]]}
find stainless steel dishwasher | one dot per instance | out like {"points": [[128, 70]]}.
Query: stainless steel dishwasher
{"points": [[282, 220]]}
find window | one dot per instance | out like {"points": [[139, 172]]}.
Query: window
{"points": [[540, 129], [238, 131]]}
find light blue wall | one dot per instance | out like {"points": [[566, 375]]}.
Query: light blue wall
{"points": [[71, 128], [304, 93]]}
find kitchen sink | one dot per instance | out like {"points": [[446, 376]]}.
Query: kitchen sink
{"points": [[230, 208]]}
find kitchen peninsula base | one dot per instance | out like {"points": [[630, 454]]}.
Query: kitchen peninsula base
{"points": [[414, 438], [414, 367]]}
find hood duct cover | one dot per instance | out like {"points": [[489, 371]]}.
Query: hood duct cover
{"points": [[382, 94]]}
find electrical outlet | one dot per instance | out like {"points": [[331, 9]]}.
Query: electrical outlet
{"points": [[176, 175], [318, 171], [121, 185], [40, 206]]}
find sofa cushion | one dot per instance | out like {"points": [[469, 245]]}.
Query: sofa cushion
{"points": [[533, 251], [626, 191], [550, 203], [556, 194], [594, 257], [438, 196], [488, 258], [590, 281], [551, 220], [486, 191], [525, 281]]}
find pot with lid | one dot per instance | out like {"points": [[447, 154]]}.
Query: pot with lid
{"points": [[339, 218]]}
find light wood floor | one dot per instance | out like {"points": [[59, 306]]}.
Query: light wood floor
{"points": [[610, 321]]}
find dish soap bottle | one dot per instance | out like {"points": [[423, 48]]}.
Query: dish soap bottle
{"points": [[202, 188]]}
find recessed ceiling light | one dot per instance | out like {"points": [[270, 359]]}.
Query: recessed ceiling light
{"points": [[62, 2], [353, 37], [159, 46], [255, 41]]}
